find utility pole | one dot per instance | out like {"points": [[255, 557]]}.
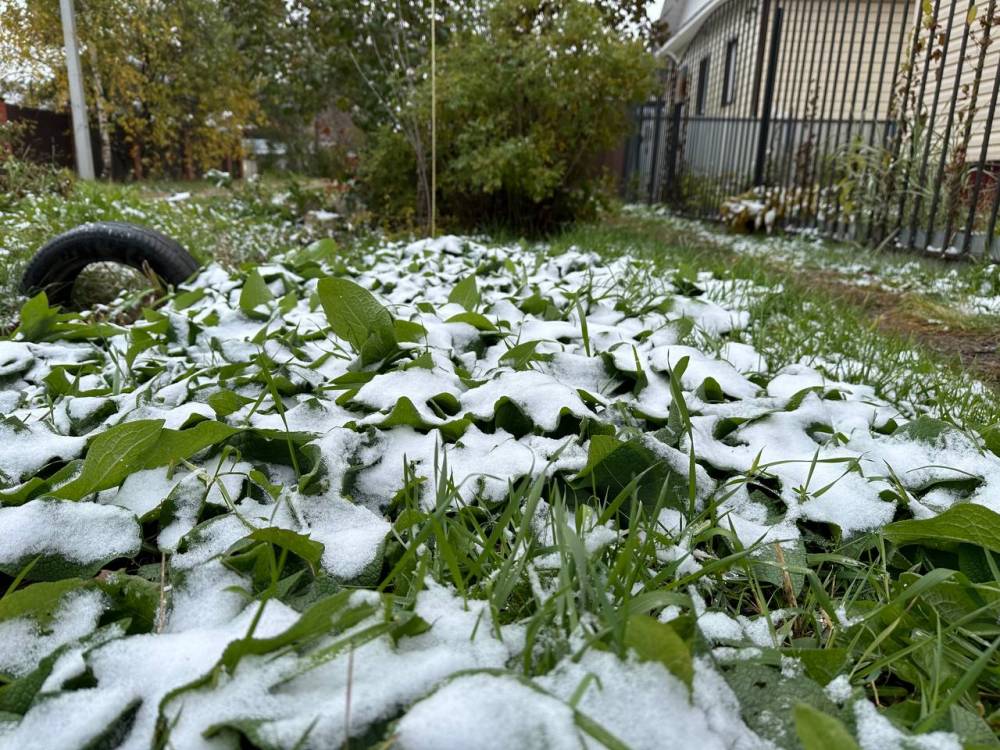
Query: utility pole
{"points": [[78, 106]]}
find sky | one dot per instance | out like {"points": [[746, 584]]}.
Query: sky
{"points": [[653, 8]]}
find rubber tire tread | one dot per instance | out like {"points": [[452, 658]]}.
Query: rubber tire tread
{"points": [[58, 263]]}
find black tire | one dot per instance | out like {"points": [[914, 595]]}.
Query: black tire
{"points": [[56, 266]]}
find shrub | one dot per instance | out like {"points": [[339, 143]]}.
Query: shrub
{"points": [[20, 175], [527, 104]]}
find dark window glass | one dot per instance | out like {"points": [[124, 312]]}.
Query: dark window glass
{"points": [[699, 108], [729, 81]]}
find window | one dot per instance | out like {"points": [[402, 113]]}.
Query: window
{"points": [[699, 108], [683, 84], [729, 81]]}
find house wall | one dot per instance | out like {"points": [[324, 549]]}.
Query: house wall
{"points": [[827, 51], [955, 66], [836, 64]]}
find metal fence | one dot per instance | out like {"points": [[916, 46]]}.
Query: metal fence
{"points": [[869, 120]]}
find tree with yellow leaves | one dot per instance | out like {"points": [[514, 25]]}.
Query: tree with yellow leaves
{"points": [[168, 76]]}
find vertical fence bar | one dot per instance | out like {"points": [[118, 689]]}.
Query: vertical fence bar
{"points": [[874, 213], [992, 226], [984, 150], [781, 89], [805, 180], [853, 223], [765, 120], [655, 158], [901, 99], [637, 151], [946, 143], [713, 105], [977, 81], [788, 104], [673, 154], [758, 74], [917, 106], [836, 117], [749, 108], [733, 184], [919, 200], [845, 115], [822, 131]]}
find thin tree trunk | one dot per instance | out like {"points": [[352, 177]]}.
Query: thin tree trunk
{"points": [[136, 153], [423, 177], [188, 157], [102, 115]]}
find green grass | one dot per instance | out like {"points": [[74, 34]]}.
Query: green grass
{"points": [[909, 616], [964, 285], [228, 226], [792, 321]]}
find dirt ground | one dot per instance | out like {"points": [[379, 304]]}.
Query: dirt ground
{"points": [[936, 328]]}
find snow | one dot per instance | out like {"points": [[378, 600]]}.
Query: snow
{"points": [[876, 732], [23, 643], [318, 455], [40, 527], [489, 712]]}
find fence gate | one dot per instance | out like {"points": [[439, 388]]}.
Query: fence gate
{"points": [[869, 120]]}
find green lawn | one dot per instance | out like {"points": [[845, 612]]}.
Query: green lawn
{"points": [[624, 488]]}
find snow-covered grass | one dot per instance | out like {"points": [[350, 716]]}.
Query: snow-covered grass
{"points": [[459, 493], [793, 321], [230, 226], [968, 288]]}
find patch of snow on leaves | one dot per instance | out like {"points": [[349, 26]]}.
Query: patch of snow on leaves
{"points": [[515, 383]]}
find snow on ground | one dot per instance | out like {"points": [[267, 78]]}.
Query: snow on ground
{"points": [[971, 289], [528, 371]]}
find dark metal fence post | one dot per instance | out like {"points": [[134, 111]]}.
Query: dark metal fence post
{"points": [[673, 153], [658, 112], [765, 120]]}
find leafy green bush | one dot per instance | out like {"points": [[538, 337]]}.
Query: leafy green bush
{"points": [[20, 175], [527, 103]]}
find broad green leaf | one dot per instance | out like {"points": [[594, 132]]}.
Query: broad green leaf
{"points": [[39, 600], [324, 249], [768, 699], [357, 317], [653, 640], [924, 429], [225, 403], [520, 356], [466, 294], [255, 293], [327, 617], [184, 300], [614, 466], [477, 320], [308, 549], [175, 445], [818, 731], [711, 391], [36, 486], [134, 598], [601, 446], [37, 318], [408, 330], [39, 322], [821, 664], [112, 456], [962, 524]]}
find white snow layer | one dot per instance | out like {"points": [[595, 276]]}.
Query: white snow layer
{"points": [[472, 411]]}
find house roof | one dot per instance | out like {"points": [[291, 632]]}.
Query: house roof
{"points": [[692, 16]]}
